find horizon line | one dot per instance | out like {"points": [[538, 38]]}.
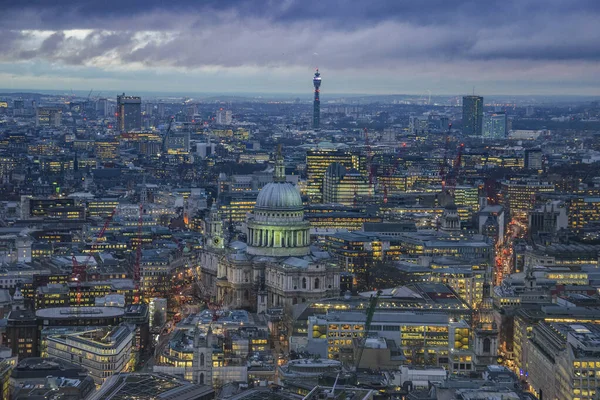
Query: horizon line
{"points": [[308, 95]]}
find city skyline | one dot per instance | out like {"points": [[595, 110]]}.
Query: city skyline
{"points": [[292, 200], [218, 246], [389, 47]]}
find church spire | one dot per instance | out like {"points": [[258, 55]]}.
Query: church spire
{"points": [[18, 299], [279, 172]]}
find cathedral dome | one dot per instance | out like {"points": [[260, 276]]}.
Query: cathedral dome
{"points": [[279, 196], [277, 226]]}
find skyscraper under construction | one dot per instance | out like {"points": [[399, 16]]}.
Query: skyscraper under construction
{"points": [[317, 102]]}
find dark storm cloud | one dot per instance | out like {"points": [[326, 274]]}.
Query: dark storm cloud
{"points": [[52, 43], [70, 14], [423, 11], [340, 34], [9, 40], [58, 47]]}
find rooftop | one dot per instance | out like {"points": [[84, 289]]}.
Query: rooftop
{"points": [[417, 297], [149, 386], [265, 394], [38, 367], [104, 338], [430, 293], [385, 317], [572, 248], [79, 312], [389, 227]]}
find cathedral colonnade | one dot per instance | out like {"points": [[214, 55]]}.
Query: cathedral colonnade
{"points": [[277, 237]]}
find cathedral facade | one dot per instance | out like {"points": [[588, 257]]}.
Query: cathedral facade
{"points": [[277, 267]]}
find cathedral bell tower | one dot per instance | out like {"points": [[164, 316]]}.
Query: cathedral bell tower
{"points": [[485, 333], [18, 301], [202, 361], [213, 229]]}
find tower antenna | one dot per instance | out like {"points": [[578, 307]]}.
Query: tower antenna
{"points": [[317, 100]]}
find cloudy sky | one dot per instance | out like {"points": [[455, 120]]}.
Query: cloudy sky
{"points": [[273, 46]]}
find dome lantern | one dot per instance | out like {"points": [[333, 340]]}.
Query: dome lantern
{"points": [[279, 172]]}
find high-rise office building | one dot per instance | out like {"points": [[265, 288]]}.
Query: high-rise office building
{"points": [[205, 149], [529, 111], [48, 116], [534, 159], [21, 329], [495, 125], [343, 186], [178, 143], [317, 162], [103, 352], [467, 196], [106, 149], [520, 195], [584, 212], [224, 117], [317, 101], [562, 360], [102, 107], [472, 115], [129, 113]]}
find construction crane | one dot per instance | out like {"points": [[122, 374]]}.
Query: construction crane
{"points": [[453, 174], [369, 156], [79, 270], [77, 275], [138, 255], [74, 123], [86, 105], [445, 158], [458, 159], [164, 141], [392, 171], [373, 300]]}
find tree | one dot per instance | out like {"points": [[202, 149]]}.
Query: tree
{"points": [[382, 274], [158, 319]]}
